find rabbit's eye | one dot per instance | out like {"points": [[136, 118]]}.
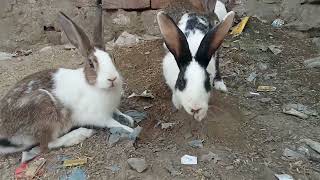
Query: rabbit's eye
{"points": [[91, 64]]}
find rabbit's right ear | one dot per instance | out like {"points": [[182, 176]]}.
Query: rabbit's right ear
{"points": [[75, 34], [174, 38]]}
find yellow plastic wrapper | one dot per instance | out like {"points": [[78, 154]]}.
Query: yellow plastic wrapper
{"points": [[74, 162], [237, 30]]}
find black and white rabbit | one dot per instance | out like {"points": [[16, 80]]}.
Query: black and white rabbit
{"points": [[191, 66], [43, 107]]}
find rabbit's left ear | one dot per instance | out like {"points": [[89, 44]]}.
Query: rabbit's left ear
{"points": [[213, 39]]}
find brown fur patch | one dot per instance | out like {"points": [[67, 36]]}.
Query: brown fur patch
{"points": [[32, 112], [91, 72]]}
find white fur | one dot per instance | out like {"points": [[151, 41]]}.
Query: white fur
{"points": [[194, 96], [72, 138], [106, 70], [220, 10], [90, 105]]}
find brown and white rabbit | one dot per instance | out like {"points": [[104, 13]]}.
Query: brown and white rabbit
{"points": [[43, 107], [191, 66]]}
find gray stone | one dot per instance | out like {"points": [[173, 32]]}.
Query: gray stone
{"points": [[275, 49], [196, 143], [138, 164], [316, 42], [312, 63], [291, 154], [122, 18], [252, 77], [265, 100], [209, 157], [45, 49], [127, 39], [149, 20]]}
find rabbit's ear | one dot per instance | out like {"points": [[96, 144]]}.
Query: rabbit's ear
{"points": [[98, 29], [213, 39], [174, 38], [75, 35], [204, 5]]}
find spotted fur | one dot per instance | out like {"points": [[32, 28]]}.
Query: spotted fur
{"points": [[43, 108], [191, 66]]}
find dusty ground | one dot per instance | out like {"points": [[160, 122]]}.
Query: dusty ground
{"points": [[247, 133]]}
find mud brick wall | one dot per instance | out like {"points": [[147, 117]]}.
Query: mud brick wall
{"points": [[126, 4]]}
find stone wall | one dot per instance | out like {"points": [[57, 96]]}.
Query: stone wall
{"points": [[302, 15], [24, 23]]}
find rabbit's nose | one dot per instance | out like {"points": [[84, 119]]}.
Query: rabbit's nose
{"points": [[112, 79], [195, 111]]}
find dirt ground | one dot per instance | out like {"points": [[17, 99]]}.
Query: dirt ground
{"points": [[248, 133]]}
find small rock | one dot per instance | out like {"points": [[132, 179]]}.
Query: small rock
{"points": [[262, 47], [187, 135], [265, 100], [167, 125], [127, 39], [299, 110], [275, 49], [69, 46], [229, 167], [138, 164], [252, 77], [270, 76], [210, 156], [312, 63], [114, 168], [121, 19], [45, 49], [146, 53], [313, 144], [136, 115], [262, 66], [291, 154], [196, 143], [5, 56]]}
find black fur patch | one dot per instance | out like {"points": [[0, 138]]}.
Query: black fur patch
{"points": [[7, 143], [217, 76], [194, 23], [207, 84], [181, 81]]}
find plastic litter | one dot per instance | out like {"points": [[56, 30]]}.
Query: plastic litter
{"points": [[277, 23], [284, 177], [144, 94], [266, 88], [189, 160], [74, 162], [29, 155], [237, 30]]}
